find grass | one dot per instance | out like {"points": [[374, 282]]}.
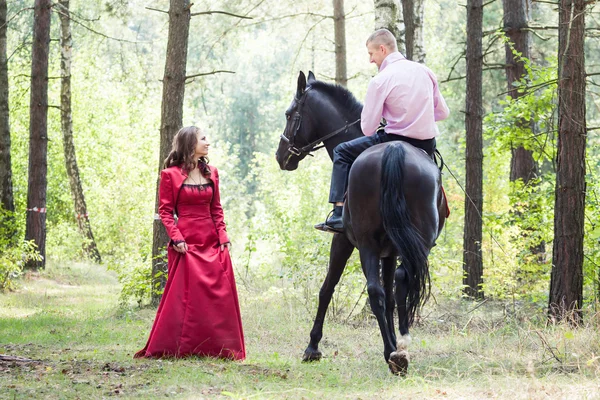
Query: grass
{"points": [[69, 320]]}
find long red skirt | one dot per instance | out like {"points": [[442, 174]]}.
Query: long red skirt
{"points": [[199, 313]]}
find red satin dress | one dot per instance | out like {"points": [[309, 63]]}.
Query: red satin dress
{"points": [[199, 313]]}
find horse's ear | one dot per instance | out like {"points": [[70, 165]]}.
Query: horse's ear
{"points": [[301, 84], [311, 77]]}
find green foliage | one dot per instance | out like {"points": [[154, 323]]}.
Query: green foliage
{"points": [[270, 213], [528, 120], [13, 253], [520, 267], [284, 246], [520, 224], [13, 259], [136, 281], [591, 262]]}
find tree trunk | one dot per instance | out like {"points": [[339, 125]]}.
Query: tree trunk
{"points": [[38, 133], [408, 11], [566, 284], [516, 18], [414, 13], [6, 189], [472, 261], [339, 25], [66, 43], [522, 166], [522, 163], [171, 120], [388, 15]]}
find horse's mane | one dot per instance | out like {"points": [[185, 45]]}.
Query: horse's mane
{"points": [[342, 96]]}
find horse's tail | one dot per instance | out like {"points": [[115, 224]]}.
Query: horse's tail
{"points": [[397, 224]]}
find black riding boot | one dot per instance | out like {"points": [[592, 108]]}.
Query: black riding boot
{"points": [[334, 222]]}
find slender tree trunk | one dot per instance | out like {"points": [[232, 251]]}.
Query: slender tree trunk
{"points": [[66, 43], [566, 285], [472, 260], [6, 189], [414, 14], [339, 25], [418, 33], [388, 15], [516, 18], [171, 119], [408, 10], [38, 133]]}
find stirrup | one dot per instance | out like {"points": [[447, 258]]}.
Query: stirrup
{"points": [[322, 226], [326, 228]]}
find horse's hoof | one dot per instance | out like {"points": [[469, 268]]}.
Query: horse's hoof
{"points": [[311, 355], [398, 362]]}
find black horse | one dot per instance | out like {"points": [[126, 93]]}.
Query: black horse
{"points": [[394, 207]]}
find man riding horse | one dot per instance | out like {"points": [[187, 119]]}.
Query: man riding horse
{"points": [[394, 207], [406, 95]]}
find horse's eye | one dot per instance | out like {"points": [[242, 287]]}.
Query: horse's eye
{"points": [[287, 117]]}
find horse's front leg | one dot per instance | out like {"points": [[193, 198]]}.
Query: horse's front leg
{"points": [[370, 264], [388, 267], [341, 250]]}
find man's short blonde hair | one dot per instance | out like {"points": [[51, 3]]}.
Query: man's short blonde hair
{"points": [[384, 37]]}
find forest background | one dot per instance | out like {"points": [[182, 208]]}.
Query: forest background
{"points": [[118, 61], [82, 326]]}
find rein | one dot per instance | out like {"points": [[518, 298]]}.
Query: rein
{"points": [[309, 147]]}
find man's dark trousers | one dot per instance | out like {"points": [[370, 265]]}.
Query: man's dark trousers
{"points": [[345, 153]]}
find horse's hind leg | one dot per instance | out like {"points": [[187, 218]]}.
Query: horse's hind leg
{"points": [[388, 267], [370, 264], [399, 359], [341, 250]]}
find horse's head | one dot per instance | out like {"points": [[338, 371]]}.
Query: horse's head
{"points": [[299, 128]]}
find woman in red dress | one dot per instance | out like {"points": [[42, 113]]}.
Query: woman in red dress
{"points": [[199, 313]]}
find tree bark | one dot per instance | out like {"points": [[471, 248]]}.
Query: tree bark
{"points": [[408, 10], [339, 25], [83, 222], [419, 34], [472, 260], [389, 15], [38, 133], [414, 12], [171, 120], [6, 189], [566, 284], [516, 18]]}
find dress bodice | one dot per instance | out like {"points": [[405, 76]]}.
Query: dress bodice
{"points": [[194, 201]]}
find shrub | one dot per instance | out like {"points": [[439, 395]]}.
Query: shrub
{"points": [[13, 254]]}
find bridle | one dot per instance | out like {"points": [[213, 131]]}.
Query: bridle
{"points": [[297, 122]]}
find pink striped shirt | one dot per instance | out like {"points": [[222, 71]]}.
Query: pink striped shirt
{"points": [[406, 94]]}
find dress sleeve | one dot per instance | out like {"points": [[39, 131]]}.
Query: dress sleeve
{"points": [[216, 211], [166, 206]]}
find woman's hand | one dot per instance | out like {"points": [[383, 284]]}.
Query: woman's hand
{"points": [[228, 245], [181, 247]]}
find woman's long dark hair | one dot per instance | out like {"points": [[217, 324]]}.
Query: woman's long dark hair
{"points": [[183, 150]]}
